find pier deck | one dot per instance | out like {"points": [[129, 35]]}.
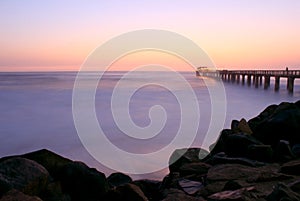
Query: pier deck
{"points": [[254, 76]]}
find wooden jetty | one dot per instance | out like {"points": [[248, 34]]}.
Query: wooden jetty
{"points": [[254, 76]]}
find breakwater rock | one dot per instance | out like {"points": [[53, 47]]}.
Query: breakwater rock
{"points": [[257, 159]]}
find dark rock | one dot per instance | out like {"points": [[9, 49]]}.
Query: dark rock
{"points": [[236, 145], [150, 188], [178, 195], [283, 152], [296, 150], [243, 127], [53, 192], [198, 168], [182, 156], [262, 153], [283, 192], [233, 172], [24, 175], [238, 195], [231, 186], [50, 160], [230, 172], [219, 146], [280, 123], [234, 125], [127, 192], [222, 158], [15, 195], [261, 118], [118, 179], [295, 186], [190, 187], [170, 181], [291, 167], [83, 183], [4, 185]]}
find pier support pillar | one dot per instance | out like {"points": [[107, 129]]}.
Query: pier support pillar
{"points": [[249, 80], [233, 77], [237, 78], [267, 82], [260, 80], [256, 81], [290, 84], [197, 73], [243, 79], [277, 83]]}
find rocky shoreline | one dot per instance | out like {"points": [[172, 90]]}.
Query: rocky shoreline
{"points": [[254, 160]]}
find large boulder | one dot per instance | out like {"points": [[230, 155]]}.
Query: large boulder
{"points": [[83, 183], [118, 179], [236, 145], [283, 192], [183, 156], [277, 123], [24, 175], [291, 167], [151, 188], [195, 168], [127, 192], [178, 195], [15, 195], [48, 159]]}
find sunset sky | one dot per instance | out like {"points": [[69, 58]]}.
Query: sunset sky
{"points": [[53, 35]]}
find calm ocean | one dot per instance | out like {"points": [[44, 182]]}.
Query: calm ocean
{"points": [[36, 111]]}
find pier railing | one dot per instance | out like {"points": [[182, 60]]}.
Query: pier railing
{"points": [[281, 73]]}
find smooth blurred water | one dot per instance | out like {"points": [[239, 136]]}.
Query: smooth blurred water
{"points": [[36, 111]]}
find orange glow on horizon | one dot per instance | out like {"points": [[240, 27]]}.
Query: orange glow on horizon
{"points": [[150, 58]]}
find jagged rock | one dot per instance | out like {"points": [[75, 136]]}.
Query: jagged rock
{"points": [[283, 152], [240, 194], [118, 179], [243, 127], [222, 158], [226, 172], [256, 121], [232, 172], [283, 192], [53, 192], [5, 186], [182, 156], [234, 125], [171, 180], [236, 145], [198, 168], [291, 167], [190, 187], [127, 192], [280, 123], [219, 145], [48, 159], [295, 186], [178, 195], [24, 175], [150, 188], [296, 150], [15, 195], [231, 186], [262, 153], [83, 183]]}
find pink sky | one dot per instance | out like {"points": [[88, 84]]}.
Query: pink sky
{"points": [[55, 35]]}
